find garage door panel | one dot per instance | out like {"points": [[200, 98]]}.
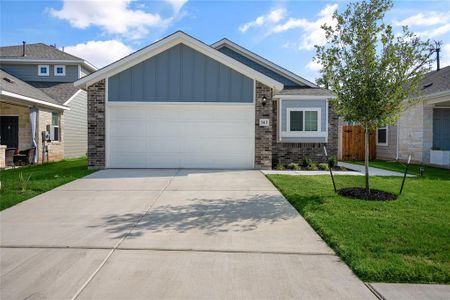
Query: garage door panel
{"points": [[126, 114], [181, 136], [121, 128], [162, 144], [128, 144]]}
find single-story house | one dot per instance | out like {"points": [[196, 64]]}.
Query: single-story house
{"points": [[37, 95], [180, 103], [423, 130]]}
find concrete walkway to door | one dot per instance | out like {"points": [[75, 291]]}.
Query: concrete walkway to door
{"points": [[167, 234]]}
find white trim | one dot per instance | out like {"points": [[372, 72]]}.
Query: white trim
{"points": [[303, 132], [37, 101], [43, 74], [107, 121], [166, 43], [79, 71], [303, 97], [258, 59], [387, 136], [55, 68], [326, 117], [73, 96], [145, 103]]}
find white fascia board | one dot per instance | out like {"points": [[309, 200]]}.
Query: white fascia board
{"points": [[32, 100], [40, 61], [259, 59], [302, 97], [73, 96], [166, 43], [437, 97], [89, 66]]}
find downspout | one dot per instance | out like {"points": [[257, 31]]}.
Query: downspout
{"points": [[398, 138]]}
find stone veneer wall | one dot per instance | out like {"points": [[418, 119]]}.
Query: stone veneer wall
{"points": [[415, 130], [55, 148], [23, 112], [96, 125], [286, 153], [263, 135]]}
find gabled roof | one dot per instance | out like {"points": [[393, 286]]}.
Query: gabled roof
{"points": [[11, 86], [40, 53], [166, 43], [59, 91], [261, 60], [436, 82]]}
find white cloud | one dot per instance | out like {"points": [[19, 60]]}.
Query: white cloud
{"points": [[312, 31], [177, 4], [314, 66], [445, 55], [114, 16], [424, 19], [432, 33], [272, 17], [100, 53]]}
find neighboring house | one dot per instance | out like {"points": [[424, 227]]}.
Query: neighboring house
{"points": [[180, 103], [423, 130], [37, 94]]}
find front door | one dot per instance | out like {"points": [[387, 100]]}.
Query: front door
{"points": [[9, 132]]}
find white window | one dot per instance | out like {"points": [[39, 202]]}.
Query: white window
{"points": [[303, 120], [43, 70], [60, 70], [382, 136]]}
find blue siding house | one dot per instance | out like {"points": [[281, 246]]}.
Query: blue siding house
{"points": [[181, 103]]}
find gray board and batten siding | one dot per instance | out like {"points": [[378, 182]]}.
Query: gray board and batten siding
{"points": [[180, 74], [260, 68], [27, 72]]}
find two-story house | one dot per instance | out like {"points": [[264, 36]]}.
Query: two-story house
{"points": [[39, 106]]}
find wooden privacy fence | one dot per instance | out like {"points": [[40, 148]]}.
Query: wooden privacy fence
{"points": [[353, 143]]}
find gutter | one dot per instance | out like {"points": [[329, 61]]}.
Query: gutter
{"points": [[33, 100]]}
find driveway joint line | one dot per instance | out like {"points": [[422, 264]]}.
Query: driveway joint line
{"points": [[374, 291], [124, 237], [172, 250]]}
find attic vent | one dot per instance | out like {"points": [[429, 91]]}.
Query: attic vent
{"points": [[426, 85], [8, 80]]}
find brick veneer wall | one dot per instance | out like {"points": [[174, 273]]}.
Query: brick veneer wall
{"points": [[286, 153], [263, 135], [96, 125]]}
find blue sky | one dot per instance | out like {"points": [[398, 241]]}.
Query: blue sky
{"points": [[282, 31]]}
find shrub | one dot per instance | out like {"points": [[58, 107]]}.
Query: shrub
{"points": [[293, 166], [280, 167], [323, 167], [306, 162], [312, 167], [332, 161]]}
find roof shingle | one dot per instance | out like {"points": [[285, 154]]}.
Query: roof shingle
{"points": [[37, 51]]}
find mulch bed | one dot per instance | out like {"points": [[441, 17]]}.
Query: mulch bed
{"points": [[360, 193]]}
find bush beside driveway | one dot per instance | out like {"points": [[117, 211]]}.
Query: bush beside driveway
{"points": [[20, 184], [405, 240]]}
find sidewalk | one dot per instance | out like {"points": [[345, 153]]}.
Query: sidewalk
{"points": [[353, 169], [404, 291]]}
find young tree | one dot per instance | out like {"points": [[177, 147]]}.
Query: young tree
{"points": [[371, 70]]}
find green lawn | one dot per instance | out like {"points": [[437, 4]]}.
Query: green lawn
{"points": [[43, 178], [429, 172], [407, 240]]}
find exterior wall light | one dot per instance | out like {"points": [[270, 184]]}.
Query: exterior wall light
{"points": [[264, 100]]}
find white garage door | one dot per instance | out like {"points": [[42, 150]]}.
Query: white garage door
{"points": [[180, 136]]}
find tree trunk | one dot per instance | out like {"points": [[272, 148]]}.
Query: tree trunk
{"points": [[366, 157]]}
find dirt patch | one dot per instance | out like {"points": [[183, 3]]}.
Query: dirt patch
{"points": [[360, 193]]}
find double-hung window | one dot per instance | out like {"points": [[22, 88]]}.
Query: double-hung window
{"points": [[60, 70], [303, 120], [43, 70]]}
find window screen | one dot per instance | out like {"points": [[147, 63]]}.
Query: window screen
{"points": [[311, 120], [382, 135]]}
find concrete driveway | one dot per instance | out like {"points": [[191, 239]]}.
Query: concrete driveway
{"points": [[167, 234]]}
